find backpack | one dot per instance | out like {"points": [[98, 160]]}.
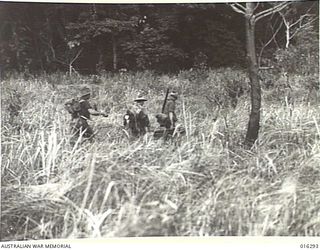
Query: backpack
{"points": [[73, 107]]}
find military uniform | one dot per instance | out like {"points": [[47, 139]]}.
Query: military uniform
{"points": [[164, 118], [80, 115], [171, 108], [136, 119], [168, 120], [79, 124]]}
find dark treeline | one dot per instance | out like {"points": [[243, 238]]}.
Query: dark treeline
{"points": [[90, 38]]}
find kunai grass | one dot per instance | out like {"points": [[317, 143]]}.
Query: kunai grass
{"points": [[204, 184]]}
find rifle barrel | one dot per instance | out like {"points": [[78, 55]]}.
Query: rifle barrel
{"points": [[165, 101]]}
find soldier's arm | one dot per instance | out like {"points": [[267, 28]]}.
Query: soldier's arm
{"points": [[171, 119], [148, 126], [96, 113]]}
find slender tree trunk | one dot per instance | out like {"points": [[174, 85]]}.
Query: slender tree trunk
{"points": [[100, 65], [254, 120], [70, 69], [37, 48], [287, 34], [287, 24], [114, 51]]}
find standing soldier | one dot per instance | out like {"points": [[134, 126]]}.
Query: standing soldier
{"points": [[137, 120], [80, 111], [168, 118], [170, 109]]}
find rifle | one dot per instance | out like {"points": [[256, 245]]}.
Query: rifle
{"points": [[165, 101]]}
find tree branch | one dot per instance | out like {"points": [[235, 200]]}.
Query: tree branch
{"points": [[302, 26], [302, 18], [269, 11], [255, 8], [53, 52], [238, 8], [270, 40], [76, 56]]}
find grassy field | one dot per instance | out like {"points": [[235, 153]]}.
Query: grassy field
{"points": [[205, 184]]}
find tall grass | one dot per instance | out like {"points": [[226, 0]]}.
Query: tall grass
{"points": [[203, 184]]}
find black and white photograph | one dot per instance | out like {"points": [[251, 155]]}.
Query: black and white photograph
{"points": [[159, 120]]}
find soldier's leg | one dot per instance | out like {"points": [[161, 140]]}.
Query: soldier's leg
{"points": [[75, 132], [87, 130]]}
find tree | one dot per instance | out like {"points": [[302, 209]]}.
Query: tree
{"points": [[33, 37], [168, 37], [152, 46], [20, 47], [104, 26], [284, 28], [295, 22], [249, 11]]}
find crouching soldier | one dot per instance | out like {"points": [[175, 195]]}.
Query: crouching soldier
{"points": [[80, 110], [136, 120]]}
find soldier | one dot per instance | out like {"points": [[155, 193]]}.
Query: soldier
{"points": [[136, 119], [170, 108], [80, 111], [168, 118]]}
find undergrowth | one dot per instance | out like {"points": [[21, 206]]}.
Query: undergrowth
{"points": [[204, 184]]}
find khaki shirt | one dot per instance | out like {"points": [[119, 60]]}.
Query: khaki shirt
{"points": [[84, 108], [170, 108]]}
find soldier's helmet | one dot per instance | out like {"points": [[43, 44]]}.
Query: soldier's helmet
{"points": [[85, 91]]}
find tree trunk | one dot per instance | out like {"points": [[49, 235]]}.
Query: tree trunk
{"points": [[287, 24], [114, 51], [287, 35], [254, 120], [100, 64]]}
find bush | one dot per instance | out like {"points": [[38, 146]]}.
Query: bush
{"points": [[302, 57]]}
